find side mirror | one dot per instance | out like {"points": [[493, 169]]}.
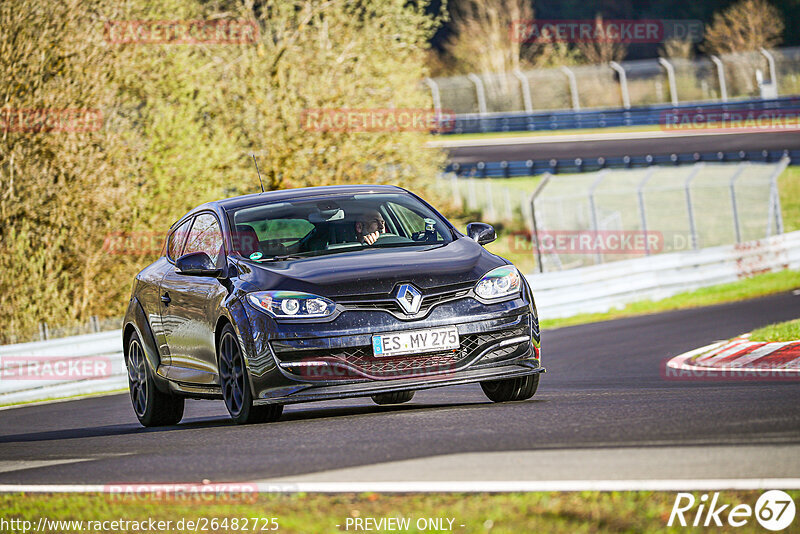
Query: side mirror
{"points": [[197, 264], [481, 232]]}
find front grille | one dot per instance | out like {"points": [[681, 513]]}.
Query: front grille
{"points": [[361, 359], [385, 302]]}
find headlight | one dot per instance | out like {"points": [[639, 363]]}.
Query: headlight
{"points": [[289, 304], [499, 282]]}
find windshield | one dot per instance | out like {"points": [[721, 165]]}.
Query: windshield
{"points": [[335, 224]]}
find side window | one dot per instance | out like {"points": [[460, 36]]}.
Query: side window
{"points": [[205, 236], [177, 239]]}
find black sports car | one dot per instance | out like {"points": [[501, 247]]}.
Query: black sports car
{"points": [[324, 293]]}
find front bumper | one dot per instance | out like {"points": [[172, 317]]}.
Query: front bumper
{"points": [[299, 363]]}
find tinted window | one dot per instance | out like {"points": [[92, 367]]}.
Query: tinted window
{"points": [[339, 223], [205, 236], [177, 239]]}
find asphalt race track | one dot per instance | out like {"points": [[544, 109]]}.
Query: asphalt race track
{"points": [[612, 145], [603, 411]]}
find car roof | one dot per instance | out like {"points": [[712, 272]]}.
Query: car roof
{"points": [[296, 193], [227, 204]]}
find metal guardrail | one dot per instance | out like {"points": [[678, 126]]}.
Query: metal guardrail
{"points": [[507, 169], [599, 288], [52, 369], [654, 115]]}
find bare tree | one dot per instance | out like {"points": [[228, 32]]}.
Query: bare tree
{"points": [[744, 26], [677, 48], [483, 40], [602, 48]]}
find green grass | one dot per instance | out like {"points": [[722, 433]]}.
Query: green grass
{"points": [[789, 188], [579, 131], [513, 513], [757, 286], [544, 133], [787, 331]]}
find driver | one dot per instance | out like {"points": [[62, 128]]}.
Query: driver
{"points": [[369, 227]]}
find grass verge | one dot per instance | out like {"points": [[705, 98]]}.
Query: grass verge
{"points": [[789, 190], [633, 512], [544, 133], [757, 286], [787, 331]]}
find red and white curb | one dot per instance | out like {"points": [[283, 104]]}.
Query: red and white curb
{"points": [[740, 355]]}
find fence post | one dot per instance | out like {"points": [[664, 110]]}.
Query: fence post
{"points": [[673, 87], [487, 187], [44, 332], [773, 73], [623, 84], [723, 87], [535, 236], [480, 92], [437, 99], [456, 190], [473, 194], [738, 172], [526, 90], [775, 199], [573, 88], [507, 201], [598, 258], [642, 213], [689, 210]]}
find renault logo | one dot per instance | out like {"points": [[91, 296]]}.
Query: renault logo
{"points": [[409, 298]]}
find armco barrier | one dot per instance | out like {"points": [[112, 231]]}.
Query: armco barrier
{"points": [[599, 288], [507, 169], [604, 118], [103, 347], [558, 294]]}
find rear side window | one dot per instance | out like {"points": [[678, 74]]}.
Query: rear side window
{"points": [[205, 236], [177, 240]]}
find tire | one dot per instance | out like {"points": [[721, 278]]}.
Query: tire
{"points": [[235, 385], [398, 397], [151, 406], [511, 389]]}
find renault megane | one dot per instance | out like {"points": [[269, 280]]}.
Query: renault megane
{"points": [[324, 293]]}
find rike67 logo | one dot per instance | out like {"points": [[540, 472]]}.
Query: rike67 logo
{"points": [[774, 510]]}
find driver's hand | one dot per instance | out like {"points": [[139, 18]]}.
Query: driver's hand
{"points": [[370, 239]]}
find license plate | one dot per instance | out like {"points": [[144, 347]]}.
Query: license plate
{"points": [[415, 341]]}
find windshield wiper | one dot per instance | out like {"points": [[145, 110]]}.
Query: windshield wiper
{"points": [[283, 258]]}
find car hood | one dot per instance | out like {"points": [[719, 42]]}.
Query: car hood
{"points": [[376, 270]]}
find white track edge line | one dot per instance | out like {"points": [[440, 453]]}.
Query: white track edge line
{"points": [[458, 486]]}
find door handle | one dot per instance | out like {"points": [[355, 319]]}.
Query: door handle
{"points": [[165, 299]]}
